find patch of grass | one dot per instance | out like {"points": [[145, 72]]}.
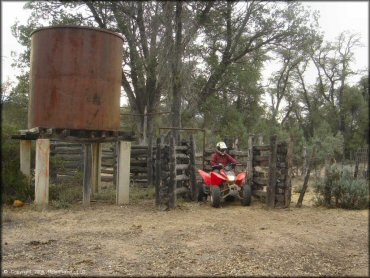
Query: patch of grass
{"points": [[108, 194], [139, 193], [64, 195]]}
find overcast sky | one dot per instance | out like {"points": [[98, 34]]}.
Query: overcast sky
{"points": [[335, 17]]}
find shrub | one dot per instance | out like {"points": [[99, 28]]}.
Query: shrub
{"points": [[340, 189], [14, 184]]}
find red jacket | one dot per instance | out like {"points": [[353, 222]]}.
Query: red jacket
{"points": [[225, 159]]}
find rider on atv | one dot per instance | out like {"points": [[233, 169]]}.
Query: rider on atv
{"points": [[221, 158]]}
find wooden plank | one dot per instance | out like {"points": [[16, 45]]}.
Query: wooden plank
{"points": [[87, 175], [107, 171], [182, 148], [107, 178], [262, 148], [182, 166], [182, 178], [25, 158], [123, 184], [182, 190], [139, 152], [272, 173], [42, 172], [136, 162], [260, 158], [181, 155], [239, 153]]}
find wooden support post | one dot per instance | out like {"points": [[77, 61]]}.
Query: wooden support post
{"points": [[115, 164], [87, 175], [42, 172], [123, 184], [272, 173], [149, 160], [145, 126], [172, 183], [288, 178], [193, 180], [305, 183], [96, 167], [158, 171], [250, 160], [25, 158]]}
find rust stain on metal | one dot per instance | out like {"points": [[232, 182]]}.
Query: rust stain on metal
{"points": [[75, 78]]}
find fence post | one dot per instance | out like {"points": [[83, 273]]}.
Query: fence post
{"points": [[193, 181], [172, 182], [250, 160], [42, 172], [158, 171], [87, 175], [272, 173], [288, 178], [149, 163]]}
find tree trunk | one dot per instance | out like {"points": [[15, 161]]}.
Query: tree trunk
{"points": [[176, 73]]}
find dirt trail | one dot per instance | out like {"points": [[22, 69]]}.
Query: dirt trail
{"points": [[192, 240]]}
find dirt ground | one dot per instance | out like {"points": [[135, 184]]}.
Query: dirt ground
{"points": [[192, 240]]}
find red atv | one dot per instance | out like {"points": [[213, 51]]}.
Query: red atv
{"points": [[224, 186]]}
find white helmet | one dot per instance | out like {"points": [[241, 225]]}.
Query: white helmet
{"points": [[221, 147]]}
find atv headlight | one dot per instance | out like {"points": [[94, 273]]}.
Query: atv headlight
{"points": [[231, 178]]}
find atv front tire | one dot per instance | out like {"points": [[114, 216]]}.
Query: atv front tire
{"points": [[247, 195], [215, 196]]}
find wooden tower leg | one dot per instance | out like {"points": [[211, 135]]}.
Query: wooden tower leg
{"points": [[42, 172], [123, 184], [87, 175], [25, 158], [96, 168]]}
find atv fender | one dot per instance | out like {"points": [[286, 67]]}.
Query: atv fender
{"points": [[216, 179], [205, 176], [240, 178]]}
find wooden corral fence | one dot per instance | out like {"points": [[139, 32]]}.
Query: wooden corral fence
{"points": [[69, 161], [174, 171], [271, 167]]}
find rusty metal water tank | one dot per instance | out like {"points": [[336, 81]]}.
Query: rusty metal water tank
{"points": [[75, 78]]}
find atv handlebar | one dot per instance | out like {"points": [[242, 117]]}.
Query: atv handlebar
{"points": [[220, 166]]}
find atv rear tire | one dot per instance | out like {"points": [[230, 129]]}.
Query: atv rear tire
{"points": [[247, 195], [215, 196]]}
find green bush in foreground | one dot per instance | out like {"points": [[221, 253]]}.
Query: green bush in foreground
{"points": [[339, 189]]}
